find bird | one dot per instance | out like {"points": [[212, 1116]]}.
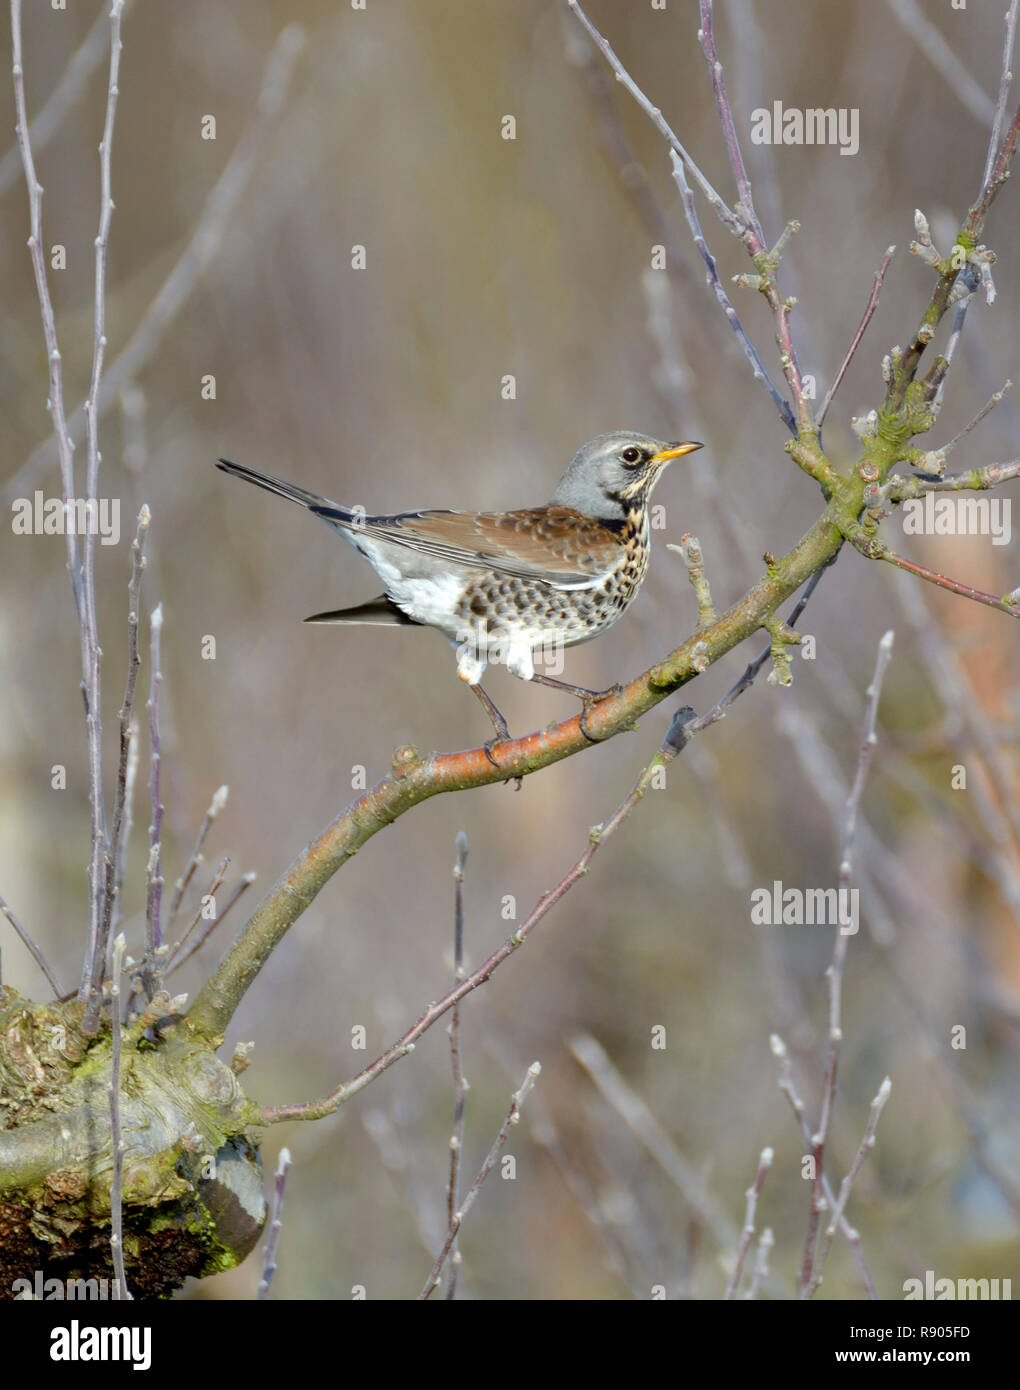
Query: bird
{"points": [[509, 585]]}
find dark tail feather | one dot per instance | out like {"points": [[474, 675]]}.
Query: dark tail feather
{"points": [[379, 612], [301, 495]]}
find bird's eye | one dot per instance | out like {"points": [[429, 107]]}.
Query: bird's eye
{"points": [[631, 455]]}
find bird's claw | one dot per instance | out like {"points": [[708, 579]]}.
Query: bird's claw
{"points": [[589, 701]]}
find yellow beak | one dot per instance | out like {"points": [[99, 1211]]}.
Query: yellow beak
{"points": [[676, 451]]}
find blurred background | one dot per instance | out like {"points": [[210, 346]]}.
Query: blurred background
{"points": [[487, 257]]}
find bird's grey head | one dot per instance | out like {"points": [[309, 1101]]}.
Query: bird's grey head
{"points": [[610, 476]]}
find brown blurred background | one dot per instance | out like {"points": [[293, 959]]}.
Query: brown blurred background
{"points": [[381, 387]]}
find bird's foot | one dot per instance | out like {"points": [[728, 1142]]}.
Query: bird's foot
{"points": [[487, 748], [589, 699]]}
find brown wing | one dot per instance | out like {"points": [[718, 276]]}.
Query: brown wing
{"points": [[558, 545]]}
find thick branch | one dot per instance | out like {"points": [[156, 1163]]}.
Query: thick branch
{"points": [[414, 779]]}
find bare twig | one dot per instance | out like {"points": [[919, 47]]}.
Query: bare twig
{"points": [[243, 884], [866, 1145], [82, 576], [706, 38], [210, 230], [275, 1226], [989, 405], [753, 1193], [766, 261], [789, 1090], [218, 876], [726, 217], [869, 310], [834, 974], [997, 161], [34, 950], [70, 85], [196, 857], [742, 223], [314, 1110], [460, 1085], [761, 1263], [55, 404], [130, 777], [99, 849], [127, 762], [875, 549], [992, 792], [154, 878], [900, 489], [1005, 81], [689, 550], [120, 1287], [715, 284], [513, 1116]]}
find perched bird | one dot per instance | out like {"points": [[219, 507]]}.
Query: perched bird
{"points": [[509, 585]]}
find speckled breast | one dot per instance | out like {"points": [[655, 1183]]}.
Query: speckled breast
{"points": [[504, 606]]}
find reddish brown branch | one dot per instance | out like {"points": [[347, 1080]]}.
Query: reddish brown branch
{"points": [[869, 310]]}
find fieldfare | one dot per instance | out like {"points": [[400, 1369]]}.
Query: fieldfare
{"points": [[509, 585]]}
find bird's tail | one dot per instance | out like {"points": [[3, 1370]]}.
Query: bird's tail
{"points": [[322, 506], [377, 612]]}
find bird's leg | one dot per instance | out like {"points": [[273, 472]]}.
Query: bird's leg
{"points": [[498, 723], [588, 698]]}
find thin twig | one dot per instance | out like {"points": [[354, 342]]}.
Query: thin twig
{"points": [[834, 974], [130, 777], [789, 1090], [460, 1085], [900, 489], [125, 776], [715, 69], [972, 735], [243, 884], [752, 1194], [989, 406], [212, 227], [761, 1263], [869, 310], [513, 1116], [154, 878], [120, 1286], [1005, 81], [99, 848], [726, 217], [196, 857], [866, 1145], [997, 161], [275, 1226], [766, 261], [715, 284], [34, 950], [314, 1110], [55, 404], [210, 896], [70, 85], [877, 550]]}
